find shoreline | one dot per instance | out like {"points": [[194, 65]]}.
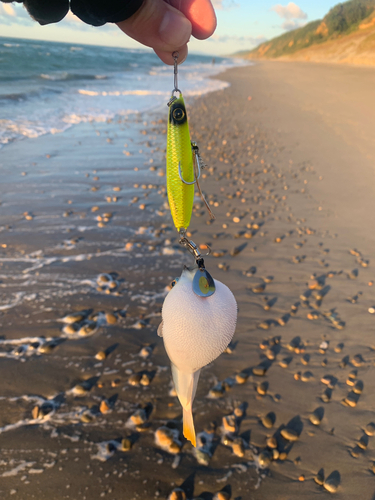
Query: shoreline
{"points": [[270, 244], [312, 62]]}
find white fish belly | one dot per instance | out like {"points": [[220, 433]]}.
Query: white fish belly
{"points": [[196, 330]]}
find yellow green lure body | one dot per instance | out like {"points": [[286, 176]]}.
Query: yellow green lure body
{"points": [[180, 165]]}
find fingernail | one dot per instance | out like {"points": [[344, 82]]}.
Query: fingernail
{"points": [[175, 29]]}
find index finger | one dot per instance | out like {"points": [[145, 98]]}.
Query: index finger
{"points": [[200, 13]]}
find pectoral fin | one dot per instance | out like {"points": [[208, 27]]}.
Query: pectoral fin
{"points": [[160, 329]]}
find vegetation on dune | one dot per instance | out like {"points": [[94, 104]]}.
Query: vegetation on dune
{"points": [[346, 16], [342, 19]]}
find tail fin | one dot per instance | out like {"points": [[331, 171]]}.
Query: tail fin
{"points": [[186, 386], [188, 425]]}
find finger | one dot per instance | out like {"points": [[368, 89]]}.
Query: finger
{"points": [[200, 13], [167, 57], [158, 25]]}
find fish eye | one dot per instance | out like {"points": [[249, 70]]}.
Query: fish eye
{"points": [[178, 114], [174, 282]]}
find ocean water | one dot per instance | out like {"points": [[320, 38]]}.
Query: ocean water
{"points": [[47, 87]]}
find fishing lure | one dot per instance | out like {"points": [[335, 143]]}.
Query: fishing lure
{"points": [[183, 161], [199, 314]]}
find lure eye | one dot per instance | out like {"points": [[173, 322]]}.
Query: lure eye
{"points": [[178, 114], [174, 282]]}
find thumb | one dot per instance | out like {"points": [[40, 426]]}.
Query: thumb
{"points": [[160, 26]]}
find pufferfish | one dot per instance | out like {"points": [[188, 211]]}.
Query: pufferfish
{"points": [[195, 331]]}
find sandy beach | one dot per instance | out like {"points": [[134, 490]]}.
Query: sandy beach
{"points": [[88, 251]]}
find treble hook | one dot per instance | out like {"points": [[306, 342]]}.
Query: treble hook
{"points": [[197, 171]]}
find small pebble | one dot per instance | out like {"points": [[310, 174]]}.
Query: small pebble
{"points": [[355, 452], [326, 396], [238, 412], [316, 417], [87, 417], [174, 448], [305, 360], [237, 250], [73, 318], [241, 378], [351, 399], [164, 436], [264, 459], [217, 391], [270, 354], [221, 495], [104, 407], [145, 352], [358, 387], [370, 429], [357, 360], [238, 448], [327, 380], [262, 388], [80, 390], [87, 329], [339, 348], [135, 379], [104, 278], [269, 420], [289, 434], [111, 318], [35, 412], [139, 417], [319, 478], [145, 380], [332, 482], [272, 442], [177, 494], [284, 363], [259, 371], [46, 348], [363, 442], [229, 423], [307, 377]]}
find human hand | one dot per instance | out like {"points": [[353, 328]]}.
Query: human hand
{"points": [[166, 25]]}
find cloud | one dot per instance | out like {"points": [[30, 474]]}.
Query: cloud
{"points": [[290, 11], [8, 10], [224, 4], [14, 14], [291, 25], [248, 40]]}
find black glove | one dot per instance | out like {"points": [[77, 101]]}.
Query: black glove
{"points": [[94, 12]]}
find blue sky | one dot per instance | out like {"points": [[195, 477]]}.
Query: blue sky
{"points": [[242, 24]]}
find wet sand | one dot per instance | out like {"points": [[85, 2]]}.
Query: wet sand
{"points": [[290, 177]]}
